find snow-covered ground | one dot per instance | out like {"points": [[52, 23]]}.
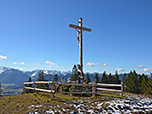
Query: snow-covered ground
{"points": [[136, 104]]}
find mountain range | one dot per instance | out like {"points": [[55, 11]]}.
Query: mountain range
{"points": [[12, 79], [16, 76]]}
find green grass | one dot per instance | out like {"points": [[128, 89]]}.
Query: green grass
{"points": [[19, 104]]}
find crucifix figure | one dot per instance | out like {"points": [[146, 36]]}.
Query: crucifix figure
{"points": [[80, 29]]}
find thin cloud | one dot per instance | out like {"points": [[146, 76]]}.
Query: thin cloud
{"points": [[3, 57], [50, 64], [92, 64], [140, 66], [145, 70], [15, 63], [22, 63], [119, 69], [105, 64]]}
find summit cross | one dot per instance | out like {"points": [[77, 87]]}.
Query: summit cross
{"points": [[80, 29]]}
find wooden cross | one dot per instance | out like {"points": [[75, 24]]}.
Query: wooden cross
{"points": [[80, 29]]}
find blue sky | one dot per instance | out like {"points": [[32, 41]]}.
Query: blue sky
{"points": [[34, 34]]}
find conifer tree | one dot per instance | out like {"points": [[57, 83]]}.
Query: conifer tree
{"points": [[104, 78], [96, 78], [88, 79], [150, 85], [139, 79], [117, 81], [144, 84], [129, 83], [124, 78], [41, 78], [55, 78], [74, 76], [110, 79], [29, 85], [132, 82], [135, 82], [30, 80]]}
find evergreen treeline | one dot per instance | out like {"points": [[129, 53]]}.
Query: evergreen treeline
{"points": [[135, 83], [110, 79]]}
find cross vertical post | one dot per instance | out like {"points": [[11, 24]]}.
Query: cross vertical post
{"points": [[80, 50], [80, 29]]}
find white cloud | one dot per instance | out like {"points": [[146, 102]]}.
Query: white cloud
{"points": [[22, 63], [14, 63], [105, 64], [119, 69], [92, 64], [50, 64], [3, 57], [140, 66], [145, 70]]}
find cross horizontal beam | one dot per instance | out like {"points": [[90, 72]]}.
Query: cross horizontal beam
{"points": [[77, 27]]}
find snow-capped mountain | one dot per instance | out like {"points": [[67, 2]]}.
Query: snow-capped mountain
{"points": [[11, 75], [49, 74], [3, 69]]}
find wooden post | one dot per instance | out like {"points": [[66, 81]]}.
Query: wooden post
{"points": [[94, 88], [34, 86], [52, 89], [122, 88], [24, 90], [80, 47]]}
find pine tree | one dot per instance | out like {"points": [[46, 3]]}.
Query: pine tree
{"points": [[88, 79], [104, 78], [41, 78], [1, 89], [144, 85], [55, 78], [136, 82], [74, 76], [110, 79], [29, 85], [150, 85], [132, 82], [96, 78], [30, 80], [129, 83], [124, 78], [116, 78]]}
